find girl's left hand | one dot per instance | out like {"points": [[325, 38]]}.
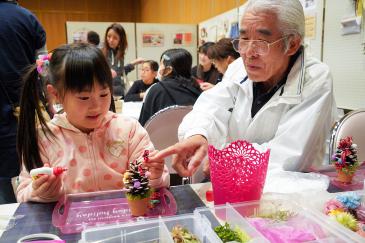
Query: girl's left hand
{"points": [[155, 167]]}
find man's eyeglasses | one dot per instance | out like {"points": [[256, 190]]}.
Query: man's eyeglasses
{"points": [[260, 47]]}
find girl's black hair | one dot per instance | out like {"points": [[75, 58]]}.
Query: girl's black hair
{"points": [[73, 67], [123, 43], [180, 61], [153, 65]]}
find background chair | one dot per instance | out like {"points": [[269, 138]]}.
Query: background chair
{"points": [[162, 128], [352, 124]]}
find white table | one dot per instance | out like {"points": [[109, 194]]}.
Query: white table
{"points": [[6, 214], [132, 109]]}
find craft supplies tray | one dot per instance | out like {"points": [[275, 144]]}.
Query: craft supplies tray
{"points": [[274, 220], [75, 212], [153, 230], [267, 220], [319, 205]]}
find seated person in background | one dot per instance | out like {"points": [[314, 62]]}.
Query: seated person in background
{"points": [[205, 72], [93, 38], [139, 87], [274, 96], [79, 78], [222, 54], [176, 87]]}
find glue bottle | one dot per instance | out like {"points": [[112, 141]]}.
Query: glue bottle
{"points": [[36, 173]]}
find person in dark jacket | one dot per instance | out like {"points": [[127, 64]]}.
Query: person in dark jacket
{"points": [[21, 36], [177, 87], [148, 78]]}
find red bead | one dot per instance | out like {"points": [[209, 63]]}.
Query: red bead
{"points": [[209, 195]]}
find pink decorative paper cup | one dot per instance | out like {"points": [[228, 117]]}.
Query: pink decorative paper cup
{"points": [[237, 172]]}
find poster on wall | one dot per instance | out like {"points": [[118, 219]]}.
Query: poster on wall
{"points": [[183, 39], [225, 25], [152, 39], [79, 35], [309, 4], [310, 26]]}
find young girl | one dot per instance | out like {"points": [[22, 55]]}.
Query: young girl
{"points": [[115, 45], [222, 54], [148, 78], [206, 73], [94, 144]]}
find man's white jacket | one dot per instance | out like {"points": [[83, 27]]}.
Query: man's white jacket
{"points": [[294, 123]]}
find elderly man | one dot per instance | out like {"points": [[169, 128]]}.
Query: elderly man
{"points": [[274, 96]]}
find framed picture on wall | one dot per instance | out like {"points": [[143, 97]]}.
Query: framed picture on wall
{"points": [[152, 39], [182, 39]]}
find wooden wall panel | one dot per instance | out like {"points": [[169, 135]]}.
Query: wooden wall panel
{"points": [[184, 11], [54, 14]]}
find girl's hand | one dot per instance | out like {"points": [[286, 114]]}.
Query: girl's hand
{"points": [[155, 167], [47, 187], [205, 86]]}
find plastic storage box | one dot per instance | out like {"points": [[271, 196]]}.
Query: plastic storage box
{"points": [[300, 224], [316, 206], [242, 215], [75, 212], [201, 224], [151, 230]]}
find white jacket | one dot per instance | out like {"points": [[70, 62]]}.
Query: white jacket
{"points": [[294, 124]]}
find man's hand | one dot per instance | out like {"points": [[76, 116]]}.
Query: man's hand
{"points": [[188, 154]]}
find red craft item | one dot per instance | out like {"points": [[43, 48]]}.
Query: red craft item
{"points": [[237, 172], [209, 195]]}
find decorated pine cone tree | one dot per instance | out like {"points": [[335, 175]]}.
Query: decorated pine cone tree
{"points": [[345, 157], [136, 180]]}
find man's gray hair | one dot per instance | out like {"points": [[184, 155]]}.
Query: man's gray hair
{"points": [[290, 14]]}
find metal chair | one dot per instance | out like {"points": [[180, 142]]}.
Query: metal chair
{"points": [[162, 128], [352, 124]]}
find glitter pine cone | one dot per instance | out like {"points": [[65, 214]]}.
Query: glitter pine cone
{"points": [[345, 157], [136, 181]]}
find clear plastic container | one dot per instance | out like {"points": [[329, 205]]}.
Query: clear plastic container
{"points": [[301, 225], [75, 212], [151, 230], [316, 206], [142, 231], [242, 215], [218, 215]]}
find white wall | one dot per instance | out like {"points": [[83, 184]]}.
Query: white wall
{"points": [[344, 55]]}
